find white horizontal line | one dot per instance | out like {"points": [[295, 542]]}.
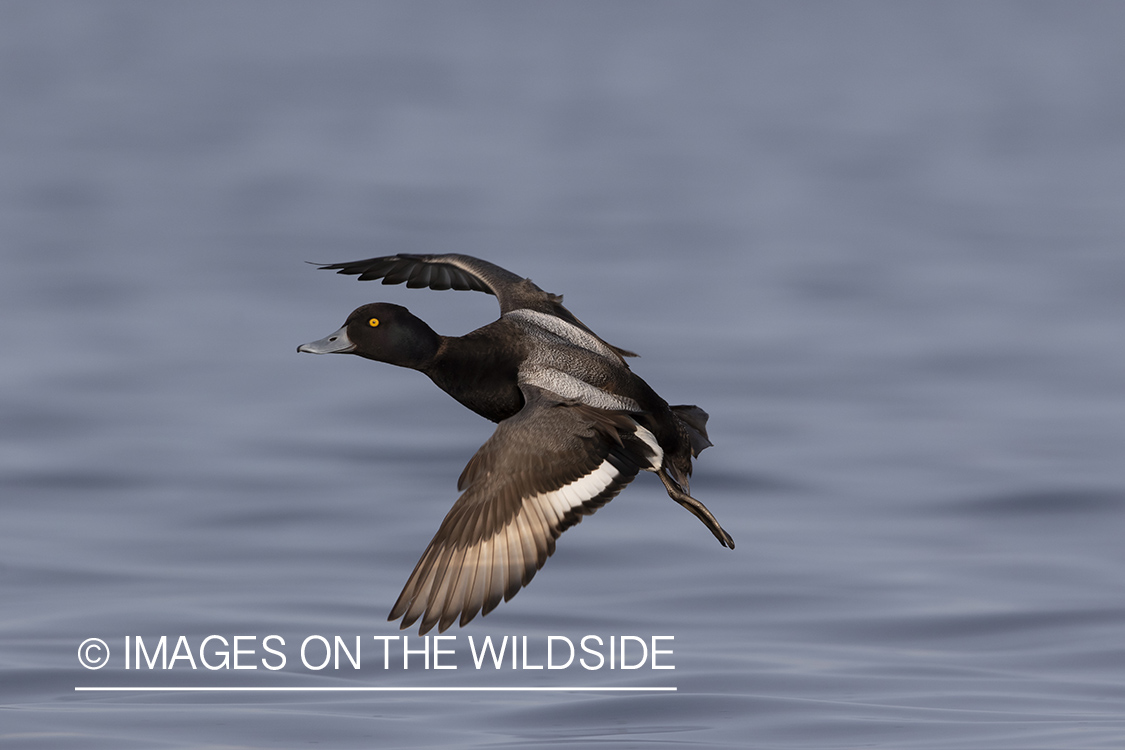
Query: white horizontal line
{"points": [[286, 689]]}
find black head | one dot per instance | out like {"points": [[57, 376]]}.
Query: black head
{"points": [[383, 332]]}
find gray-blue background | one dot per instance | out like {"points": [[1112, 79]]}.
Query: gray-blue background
{"points": [[882, 244]]}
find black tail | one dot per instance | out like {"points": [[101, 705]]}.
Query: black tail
{"points": [[695, 420]]}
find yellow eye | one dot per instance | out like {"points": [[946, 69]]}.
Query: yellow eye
{"points": [[373, 322]]}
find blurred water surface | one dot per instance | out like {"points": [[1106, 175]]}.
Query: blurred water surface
{"points": [[880, 243]]}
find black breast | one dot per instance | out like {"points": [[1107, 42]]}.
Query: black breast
{"points": [[480, 370]]}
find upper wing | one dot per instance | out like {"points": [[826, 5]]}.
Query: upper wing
{"points": [[434, 271], [539, 473], [454, 271]]}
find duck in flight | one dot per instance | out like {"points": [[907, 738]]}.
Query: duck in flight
{"points": [[574, 426]]}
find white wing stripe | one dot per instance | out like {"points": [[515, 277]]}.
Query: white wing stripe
{"points": [[650, 440], [561, 500], [573, 495], [552, 507]]}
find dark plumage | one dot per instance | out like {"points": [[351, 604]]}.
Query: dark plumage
{"points": [[575, 426]]}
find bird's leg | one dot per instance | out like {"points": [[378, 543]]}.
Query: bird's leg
{"points": [[698, 509]]}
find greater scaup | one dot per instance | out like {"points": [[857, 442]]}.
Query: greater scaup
{"points": [[575, 426]]}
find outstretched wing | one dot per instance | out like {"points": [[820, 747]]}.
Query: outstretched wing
{"points": [[464, 272], [539, 473], [434, 271]]}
